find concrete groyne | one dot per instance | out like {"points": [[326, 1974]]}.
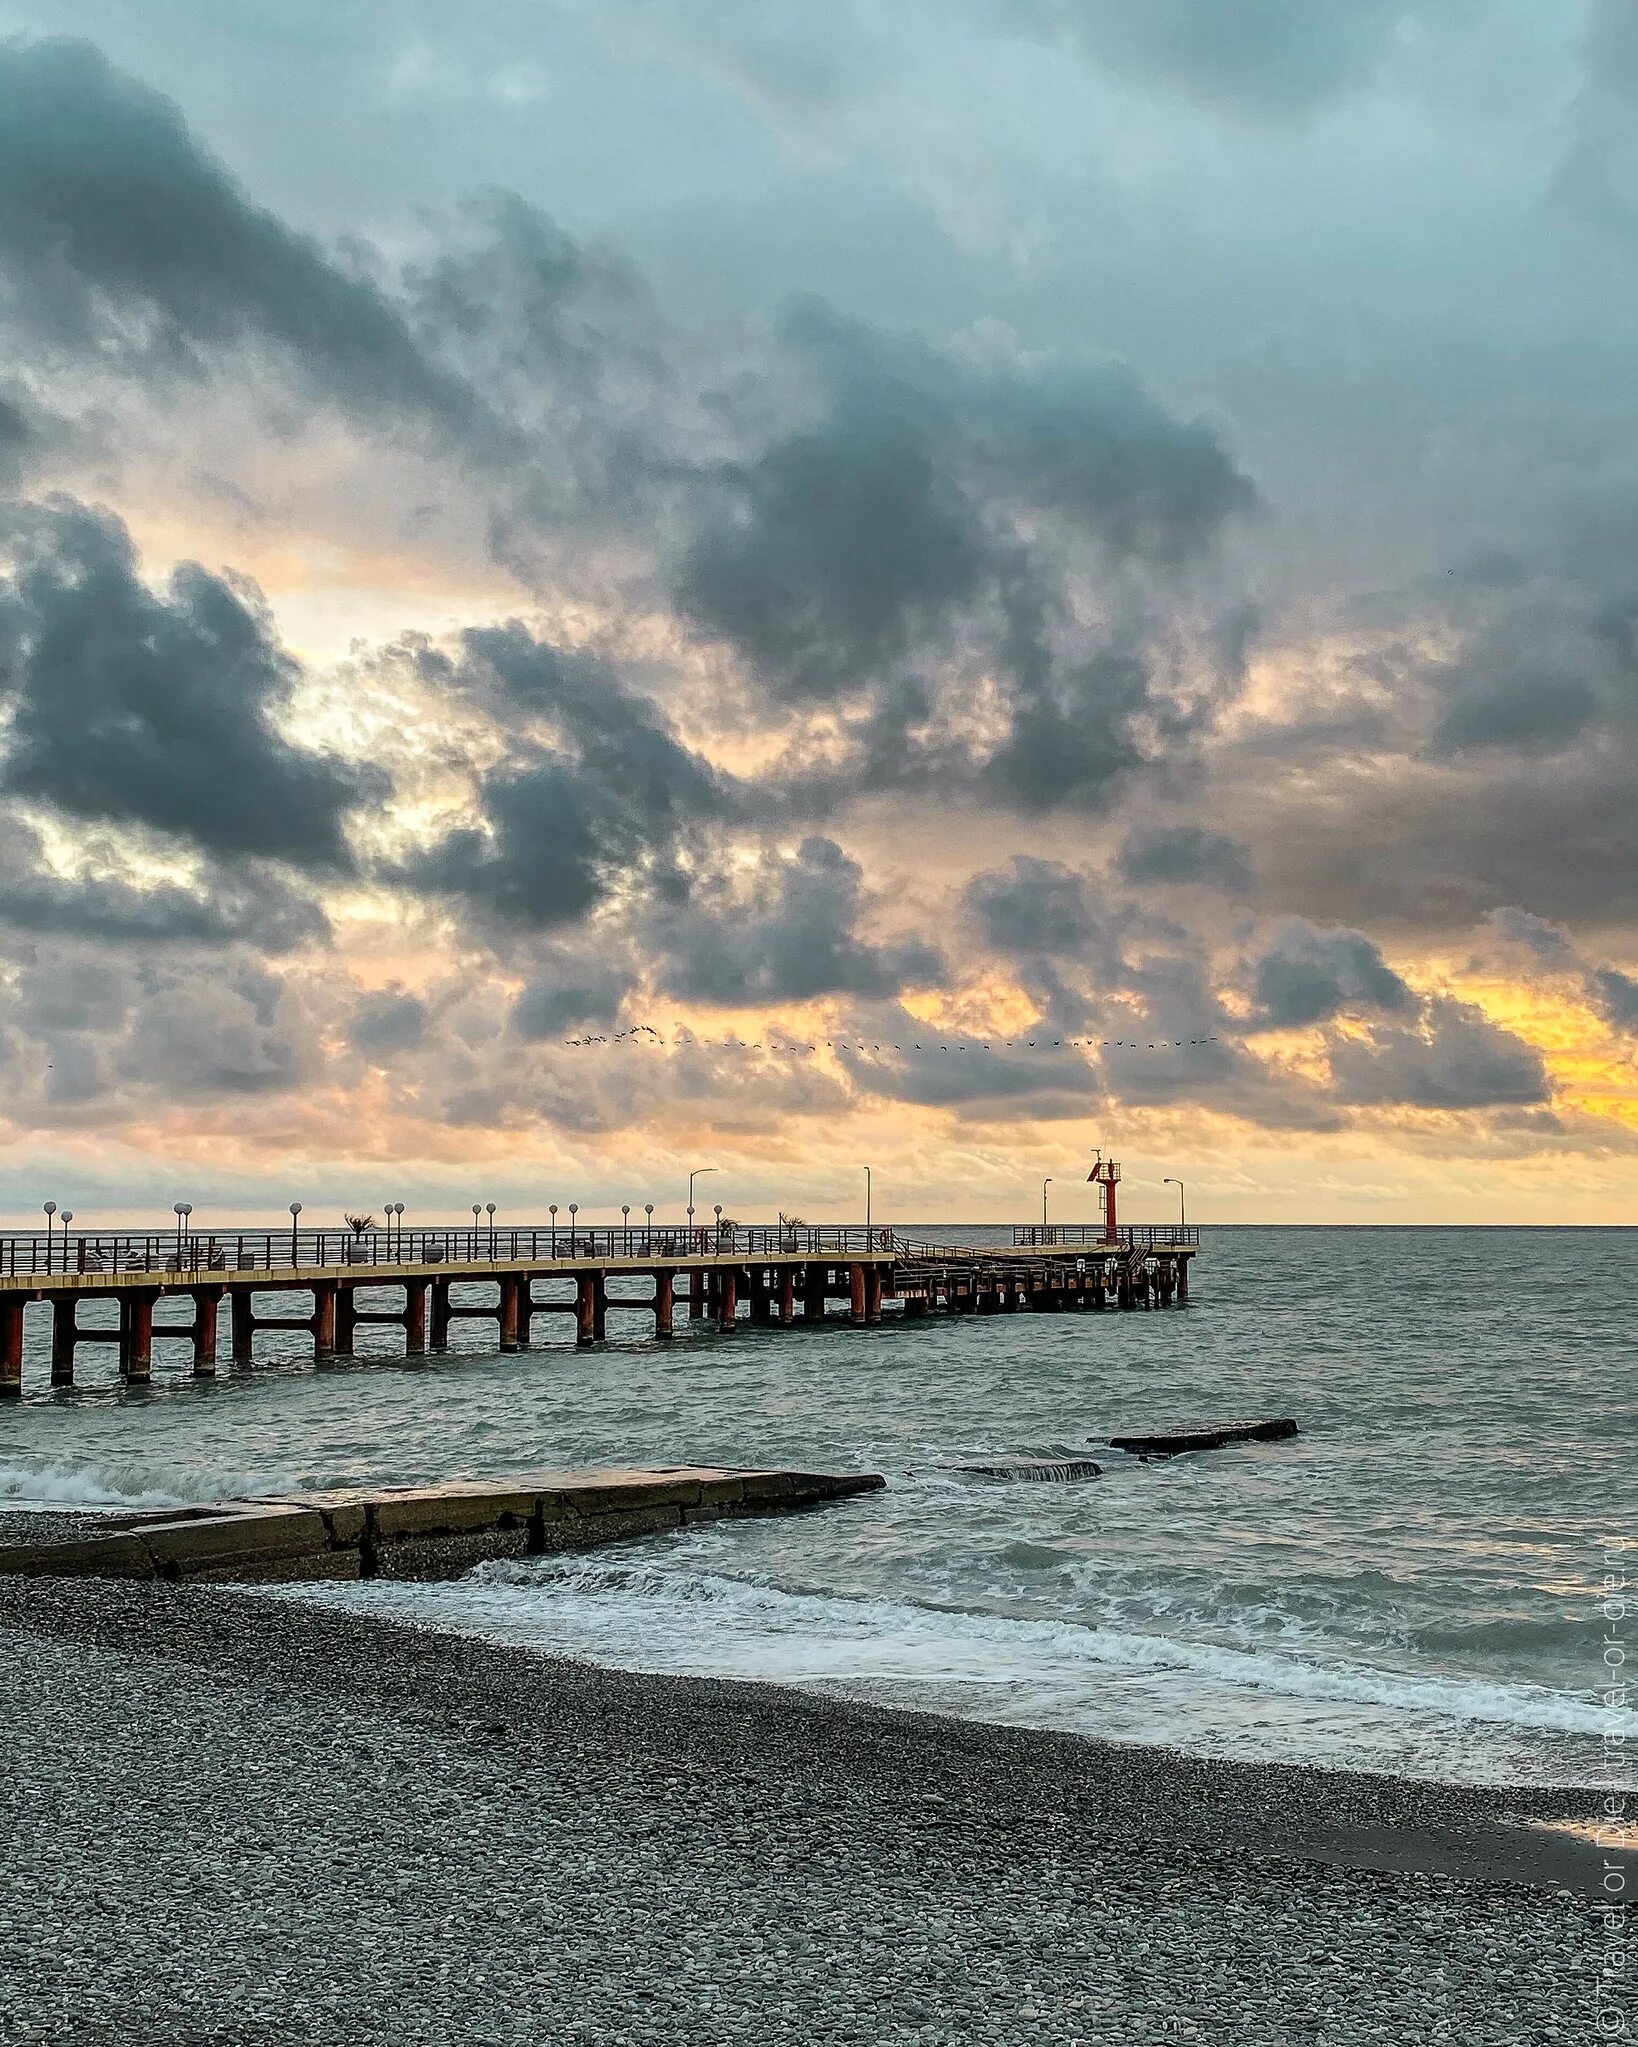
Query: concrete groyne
{"points": [[419, 1532]]}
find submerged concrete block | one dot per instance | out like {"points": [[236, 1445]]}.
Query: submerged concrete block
{"points": [[1207, 1436]]}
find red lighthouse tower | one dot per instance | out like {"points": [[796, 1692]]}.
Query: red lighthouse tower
{"points": [[1105, 1173]]}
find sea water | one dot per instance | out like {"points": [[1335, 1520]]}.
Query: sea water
{"points": [[1415, 1583]]}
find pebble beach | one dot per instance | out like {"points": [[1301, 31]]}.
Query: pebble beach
{"points": [[233, 1817]]}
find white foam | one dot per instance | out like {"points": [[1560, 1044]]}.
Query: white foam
{"points": [[59, 1485]]}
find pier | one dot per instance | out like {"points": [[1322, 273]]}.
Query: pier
{"points": [[723, 1274]]}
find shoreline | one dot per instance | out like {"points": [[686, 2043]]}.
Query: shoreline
{"points": [[270, 1820]]}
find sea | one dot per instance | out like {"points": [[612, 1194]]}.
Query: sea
{"points": [[1426, 1580]]}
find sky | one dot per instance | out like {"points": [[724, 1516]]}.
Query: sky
{"points": [[631, 585]]}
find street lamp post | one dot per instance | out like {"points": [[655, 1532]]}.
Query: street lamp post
{"points": [[648, 1236], [490, 1208], [698, 1173], [295, 1249], [50, 1208], [1182, 1213], [1045, 1184], [552, 1208], [867, 1204], [574, 1210]]}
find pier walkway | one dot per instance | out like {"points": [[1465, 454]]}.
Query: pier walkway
{"points": [[713, 1272]]}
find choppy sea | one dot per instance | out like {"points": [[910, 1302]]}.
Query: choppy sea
{"points": [[1416, 1583]]}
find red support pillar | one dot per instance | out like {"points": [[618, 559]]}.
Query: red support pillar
{"points": [[873, 1293], [242, 1310], [813, 1293], [664, 1303], [856, 1295], [440, 1314], [509, 1303], [696, 1294], [585, 1320], [415, 1318], [728, 1298], [64, 1328], [205, 1301], [787, 1296], [138, 1346], [11, 1346], [346, 1319], [324, 1318]]}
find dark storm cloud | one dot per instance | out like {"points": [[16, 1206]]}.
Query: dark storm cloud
{"points": [[388, 1021], [1034, 906], [1534, 677], [926, 520], [156, 709], [1615, 995], [1265, 59], [1184, 853], [572, 989], [602, 796], [221, 909], [787, 933], [125, 240], [1453, 1058], [1308, 976]]}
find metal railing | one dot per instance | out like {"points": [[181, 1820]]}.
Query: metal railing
{"points": [[1146, 1236], [26, 1254]]}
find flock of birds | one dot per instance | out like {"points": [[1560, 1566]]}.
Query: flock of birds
{"points": [[647, 1035]]}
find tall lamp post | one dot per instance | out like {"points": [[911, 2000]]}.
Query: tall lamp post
{"points": [[867, 1204], [68, 1217], [1182, 1213], [1045, 1184], [50, 1208], [698, 1173], [295, 1249]]}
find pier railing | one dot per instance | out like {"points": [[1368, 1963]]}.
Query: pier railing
{"points": [[1129, 1236], [27, 1253]]}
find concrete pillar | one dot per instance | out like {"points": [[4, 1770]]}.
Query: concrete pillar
{"points": [[346, 1319], [665, 1304], [813, 1293], [1182, 1279], [727, 1298], [696, 1294], [510, 1287], [873, 1293], [11, 1347], [585, 1305], [915, 1308], [64, 1326], [787, 1296], [138, 1348], [324, 1318], [761, 1304], [440, 1314], [600, 1307], [242, 1311], [415, 1318], [1094, 1288], [205, 1302], [856, 1295]]}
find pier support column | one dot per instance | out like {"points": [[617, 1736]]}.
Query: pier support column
{"points": [[205, 1303], [664, 1303], [585, 1309], [915, 1308], [600, 1307], [813, 1293], [440, 1314], [761, 1306], [873, 1293], [346, 1320], [324, 1318], [1182, 1280], [415, 1318], [727, 1299], [696, 1294], [787, 1296], [11, 1347], [509, 1317], [65, 1310], [242, 1313], [856, 1295], [137, 1350], [1094, 1289]]}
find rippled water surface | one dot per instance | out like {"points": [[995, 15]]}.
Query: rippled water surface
{"points": [[1414, 1583]]}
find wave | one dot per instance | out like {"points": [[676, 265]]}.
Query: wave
{"points": [[60, 1485], [650, 1615]]}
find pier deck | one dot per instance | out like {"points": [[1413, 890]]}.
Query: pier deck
{"points": [[714, 1272]]}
